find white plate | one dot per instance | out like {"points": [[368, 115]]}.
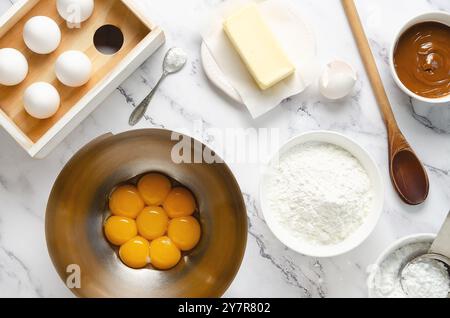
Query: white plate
{"points": [[216, 76], [364, 230], [303, 34]]}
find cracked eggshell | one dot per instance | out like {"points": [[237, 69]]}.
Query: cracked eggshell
{"points": [[337, 80], [13, 67]]}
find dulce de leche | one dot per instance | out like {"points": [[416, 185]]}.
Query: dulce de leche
{"points": [[422, 59]]}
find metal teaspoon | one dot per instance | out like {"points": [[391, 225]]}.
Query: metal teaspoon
{"points": [[174, 60]]}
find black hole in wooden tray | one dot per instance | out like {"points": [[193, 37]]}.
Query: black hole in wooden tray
{"points": [[108, 39]]}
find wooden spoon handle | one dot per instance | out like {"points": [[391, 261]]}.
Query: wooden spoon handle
{"points": [[397, 141], [369, 61]]}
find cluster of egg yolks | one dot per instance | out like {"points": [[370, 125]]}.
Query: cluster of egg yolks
{"points": [[170, 228]]}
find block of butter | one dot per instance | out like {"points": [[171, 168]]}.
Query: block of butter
{"points": [[258, 47]]}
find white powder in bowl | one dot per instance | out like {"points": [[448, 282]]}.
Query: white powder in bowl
{"points": [[422, 279], [319, 192]]}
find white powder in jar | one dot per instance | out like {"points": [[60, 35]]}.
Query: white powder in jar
{"points": [[319, 193], [422, 279]]}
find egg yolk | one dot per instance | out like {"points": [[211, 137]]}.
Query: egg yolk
{"points": [[164, 254], [135, 253], [184, 232], [179, 202], [154, 188], [126, 201], [119, 229], [152, 222]]}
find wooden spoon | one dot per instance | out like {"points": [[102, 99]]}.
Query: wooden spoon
{"points": [[407, 172]]}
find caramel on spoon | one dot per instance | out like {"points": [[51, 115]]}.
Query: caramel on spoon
{"points": [[407, 172]]}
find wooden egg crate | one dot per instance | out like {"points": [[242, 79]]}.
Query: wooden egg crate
{"points": [[141, 39]]}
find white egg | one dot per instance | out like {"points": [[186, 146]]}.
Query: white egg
{"points": [[41, 100], [337, 80], [13, 67], [73, 68], [75, 11], [42, 35]]}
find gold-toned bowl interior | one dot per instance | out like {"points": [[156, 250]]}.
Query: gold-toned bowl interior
{"points": [[77, 208]]}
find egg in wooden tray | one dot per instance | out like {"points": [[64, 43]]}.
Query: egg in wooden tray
{"points": [[152, 222]]}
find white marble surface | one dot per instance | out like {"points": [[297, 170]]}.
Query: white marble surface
{"points": [[268, 269]]}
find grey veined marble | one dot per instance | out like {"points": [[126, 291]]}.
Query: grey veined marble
{"points": [[187, 99]]}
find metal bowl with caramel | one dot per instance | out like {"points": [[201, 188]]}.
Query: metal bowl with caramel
{"points": [[76, 212]]}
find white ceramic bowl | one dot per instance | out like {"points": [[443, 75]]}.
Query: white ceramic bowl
{"points": [[365, 229], [436, 16], [415, 238]]}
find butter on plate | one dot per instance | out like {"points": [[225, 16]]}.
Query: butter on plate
{"points": [[258, 47]]}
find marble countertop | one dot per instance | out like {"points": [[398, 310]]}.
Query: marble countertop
{"points": [[269, 269]]}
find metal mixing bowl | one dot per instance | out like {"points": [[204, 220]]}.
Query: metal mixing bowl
{"points": [[77, 208]]}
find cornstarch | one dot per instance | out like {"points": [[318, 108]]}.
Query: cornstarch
{"points": [[422, 279], [319, 192]]}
